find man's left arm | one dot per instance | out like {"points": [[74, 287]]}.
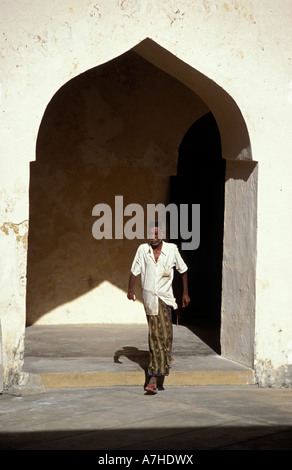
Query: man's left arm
{"points": [[185, 294], [182, 269]]}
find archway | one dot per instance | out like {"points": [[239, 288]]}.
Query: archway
{"points": [[190, 96]]}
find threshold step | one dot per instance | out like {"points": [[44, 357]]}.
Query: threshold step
{"points": [[177, 378]]}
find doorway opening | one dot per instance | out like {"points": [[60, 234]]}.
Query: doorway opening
{"points": [[200, 180], [153, 129]]}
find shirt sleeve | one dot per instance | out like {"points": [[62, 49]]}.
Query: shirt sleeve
{"points": [[137, 263], [179, 262]]}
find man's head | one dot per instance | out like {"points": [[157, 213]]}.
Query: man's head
{"points": [[156, 233]]}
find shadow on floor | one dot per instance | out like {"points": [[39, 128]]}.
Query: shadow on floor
{"points": [[139, 357], [182, 438], [209, 335], [133, 354]]}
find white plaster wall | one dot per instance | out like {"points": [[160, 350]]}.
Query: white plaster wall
{"points": [[244, 46]]}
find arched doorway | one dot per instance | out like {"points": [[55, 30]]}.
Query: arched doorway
{"points": [[138, 145]]}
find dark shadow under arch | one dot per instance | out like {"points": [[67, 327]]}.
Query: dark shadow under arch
{"points": [[113, 130], [200, 180]]}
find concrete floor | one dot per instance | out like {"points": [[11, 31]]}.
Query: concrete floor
{"points": [[231, 413], [126, 419]]}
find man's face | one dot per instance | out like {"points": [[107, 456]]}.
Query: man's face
{"points": [[155, 236]]}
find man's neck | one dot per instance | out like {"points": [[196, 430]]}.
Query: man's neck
{"points": [[158, 246]]}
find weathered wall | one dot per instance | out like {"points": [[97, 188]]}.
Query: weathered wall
{"points": [[238, 312], [242, 46]]}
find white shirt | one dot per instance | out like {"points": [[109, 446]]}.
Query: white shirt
{"points": [[157, 277]]}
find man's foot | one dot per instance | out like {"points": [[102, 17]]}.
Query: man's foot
{"points": [[152, 385], [151, 388]]}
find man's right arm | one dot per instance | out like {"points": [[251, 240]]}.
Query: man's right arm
{"points": [[136, 268]]}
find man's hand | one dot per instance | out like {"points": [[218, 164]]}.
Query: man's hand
{"points": [[185, 300], [131, 295]]}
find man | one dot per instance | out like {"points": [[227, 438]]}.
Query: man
{"points": [[155, 261]]}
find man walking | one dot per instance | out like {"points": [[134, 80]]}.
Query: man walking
{"points": [[155, 261]]}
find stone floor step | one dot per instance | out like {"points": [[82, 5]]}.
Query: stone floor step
{"points": [[110, 355], [178, 378]]}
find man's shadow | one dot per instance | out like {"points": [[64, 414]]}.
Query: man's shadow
{"points": [[139, 357]]}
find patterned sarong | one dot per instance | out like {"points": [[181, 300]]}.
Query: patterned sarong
{"points": [[160, 340]]}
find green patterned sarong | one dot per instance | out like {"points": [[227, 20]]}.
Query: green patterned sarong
{"points": [[160, 340]]}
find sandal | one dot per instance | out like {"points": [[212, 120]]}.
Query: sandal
{"points": [[151, 388]]}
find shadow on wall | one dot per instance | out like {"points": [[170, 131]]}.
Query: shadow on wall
{"points": [[113, 130]]}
